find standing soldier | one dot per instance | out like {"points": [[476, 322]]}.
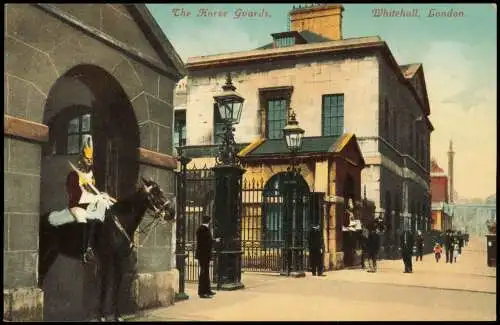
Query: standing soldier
{"points": [[316, 248]]}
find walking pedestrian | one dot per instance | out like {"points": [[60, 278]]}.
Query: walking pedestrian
{"points": [[316, 248], [373, 248], [419, 245], [204, 243], [460, 238], [364, 245], [437, 252], [406, 248], [448, 245], [456, 253]]}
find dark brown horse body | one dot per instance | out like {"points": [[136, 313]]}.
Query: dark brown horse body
{"points": [[113, 244]]}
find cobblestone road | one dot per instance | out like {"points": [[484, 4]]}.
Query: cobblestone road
{"points": [[435, 291]]}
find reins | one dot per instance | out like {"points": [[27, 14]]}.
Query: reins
{"points": [[150, 227]]}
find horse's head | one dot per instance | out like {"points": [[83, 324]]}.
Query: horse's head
{"points": [[160, 206]]}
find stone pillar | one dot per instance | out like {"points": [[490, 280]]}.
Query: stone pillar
{"points": [[227, 226], [23, 300]]}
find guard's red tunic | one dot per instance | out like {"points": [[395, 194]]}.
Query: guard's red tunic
{"points": [[74, 189]]}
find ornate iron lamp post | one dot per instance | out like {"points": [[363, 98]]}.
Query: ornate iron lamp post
{"points": [[180, 249], [228, 176], [293, 257]]}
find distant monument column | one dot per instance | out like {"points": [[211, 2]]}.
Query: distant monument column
{"points": [[451, 153]]}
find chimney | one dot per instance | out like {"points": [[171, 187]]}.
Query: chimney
{"points": [[451, 153], [322, 19]]}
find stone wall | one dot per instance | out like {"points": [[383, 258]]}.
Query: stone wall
{"points": [[41, 45]]}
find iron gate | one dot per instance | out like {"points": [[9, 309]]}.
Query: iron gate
{"points": [[269, 217], [263, 224], [200, 193]]}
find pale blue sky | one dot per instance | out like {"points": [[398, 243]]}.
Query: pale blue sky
{"points": [[458, 55]]}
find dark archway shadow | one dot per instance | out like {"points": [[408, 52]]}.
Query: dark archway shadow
{"points": [[70, 288], [349, 238]]}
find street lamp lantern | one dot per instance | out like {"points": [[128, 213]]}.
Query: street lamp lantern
{"points": [[293, 250], [293, 134], [229, 102]]}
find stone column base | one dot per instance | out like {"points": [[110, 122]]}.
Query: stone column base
{"points": [[23, 304], [155, 289]]}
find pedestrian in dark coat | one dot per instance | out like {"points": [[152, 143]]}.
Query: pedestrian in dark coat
{"points": [[448, 245], [316, 249], [363, 240], [203, 254], [419, 243], [373, 247], [407, 250], [460, 238]]}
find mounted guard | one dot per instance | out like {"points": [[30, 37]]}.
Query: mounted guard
{"points": [[86, 204]]}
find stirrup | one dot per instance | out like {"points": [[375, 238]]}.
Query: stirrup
{"points": [[88, 255]]}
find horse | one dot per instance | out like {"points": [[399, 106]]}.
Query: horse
{"points": [[113, 244]]}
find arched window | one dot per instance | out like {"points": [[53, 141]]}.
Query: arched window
{"points": [[274, 208], [68, 129]]}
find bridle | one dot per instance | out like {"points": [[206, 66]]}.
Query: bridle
{"points": [[157, 211]]}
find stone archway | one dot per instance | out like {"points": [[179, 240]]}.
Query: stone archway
{"points": [[86, 99]]}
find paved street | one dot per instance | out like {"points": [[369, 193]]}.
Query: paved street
{"points": [[462, 291]]}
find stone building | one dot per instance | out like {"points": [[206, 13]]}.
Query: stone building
{"points": [[110, 71], [335, 86]]}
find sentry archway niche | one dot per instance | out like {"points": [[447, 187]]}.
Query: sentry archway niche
{"points": [[85, 100]]}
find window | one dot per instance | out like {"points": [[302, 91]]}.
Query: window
{"points": [[218, 126], [77, 128], [180, 129], [284, 41], [333, 115], [274, 106], [277, 114]]}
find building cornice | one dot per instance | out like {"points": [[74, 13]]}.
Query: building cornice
{"points": [[244, 57]]}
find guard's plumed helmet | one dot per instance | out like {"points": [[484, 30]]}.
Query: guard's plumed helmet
{"points": [[87, 146]]}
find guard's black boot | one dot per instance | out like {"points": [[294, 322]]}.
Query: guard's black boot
{"points": [[88, 236]]}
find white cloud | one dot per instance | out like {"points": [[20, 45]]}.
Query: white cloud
{"points": [[463, 108]]}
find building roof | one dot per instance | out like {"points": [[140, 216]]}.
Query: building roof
{"points": [[308, 36], [310, 145], [212, 150], [156, 36], [308, 48], [435, 169], [409, 70]]}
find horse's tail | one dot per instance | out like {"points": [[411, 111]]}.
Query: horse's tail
{"points": [[47, 250]]}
